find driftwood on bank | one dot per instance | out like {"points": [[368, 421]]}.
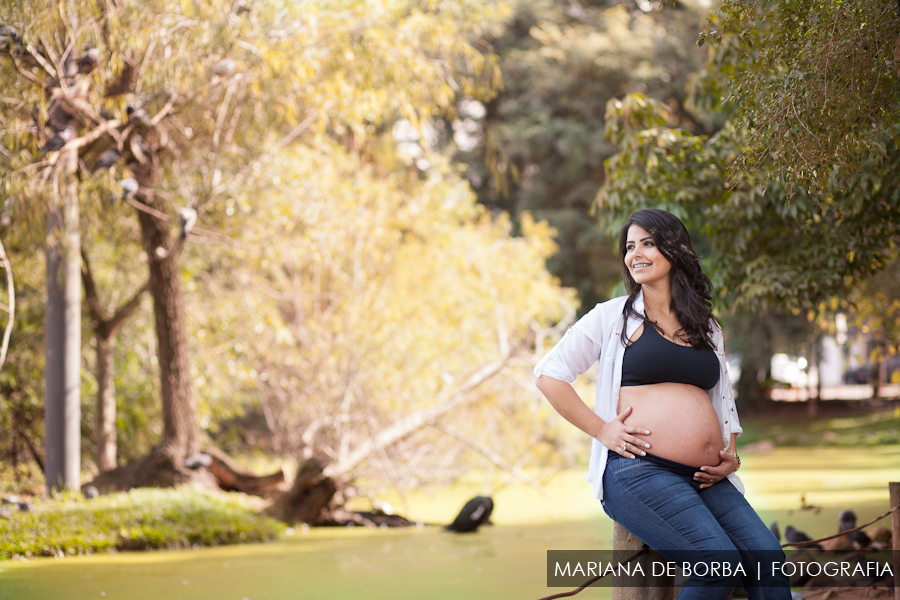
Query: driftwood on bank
{"points": [[311, 500], [232, 478]]}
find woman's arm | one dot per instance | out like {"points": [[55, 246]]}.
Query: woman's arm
{"points": [[613, 434], [729, 462]]}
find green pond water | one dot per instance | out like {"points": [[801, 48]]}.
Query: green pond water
{"points": [[507, 560]]}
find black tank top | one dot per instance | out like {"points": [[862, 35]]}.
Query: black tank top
{"points": [[655, 359]]}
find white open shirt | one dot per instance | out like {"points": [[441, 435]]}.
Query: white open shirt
{"points": [[597, 335]]}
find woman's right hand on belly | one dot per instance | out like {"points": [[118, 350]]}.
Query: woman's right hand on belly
{"points": [[621, 438]]}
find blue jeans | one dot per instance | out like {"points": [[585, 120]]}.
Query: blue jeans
{"points": [[669, 513]]}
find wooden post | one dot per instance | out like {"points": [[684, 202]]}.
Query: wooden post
{"points": [[661, 587], [894, 488]]}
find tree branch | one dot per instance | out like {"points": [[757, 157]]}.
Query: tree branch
{"points": [[107, 328], [90, 289], [11, 309], [491, 456], [127, 309], [415, 421], [41, 60], [26, 74], [287, 139]]}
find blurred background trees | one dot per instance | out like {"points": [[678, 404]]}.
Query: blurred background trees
{"points": [[332, 293], [358, 227], [797, 192], [539, 145]]}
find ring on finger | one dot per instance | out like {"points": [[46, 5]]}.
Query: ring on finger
{"points": [[624, 444]]}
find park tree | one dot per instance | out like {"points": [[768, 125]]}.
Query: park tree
{"points": [[381, 323], [180, 104], [539, 146], [751, 187], [798, 190]]}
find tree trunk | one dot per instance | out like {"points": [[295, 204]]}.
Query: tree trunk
{"points": [[309, 498], [164, 466], [105, 331], [106, 405], [179, 411], [62, 371]]}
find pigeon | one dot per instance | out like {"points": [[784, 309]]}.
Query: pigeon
{"points": [[846, 520], [224, 67], [475, 513], [87, 61], [804, 506], [9, 36], [106, 160], [198, 460], [59, 140], [797, 537], [774, 529], [137, 114], [859, 540], [129, 187], [186, 219]]}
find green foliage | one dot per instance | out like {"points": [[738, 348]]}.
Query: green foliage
{"points": [[814, 87], [541, 143], [141, 519], [785, 228], [357, 295], [21, 378], [852, 431], [327, 79]]}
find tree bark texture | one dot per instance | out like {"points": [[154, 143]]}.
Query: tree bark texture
{"points": [[309, 498], [62, 340], [230, 477], [105, 331], [106, 405], [179, 410]]}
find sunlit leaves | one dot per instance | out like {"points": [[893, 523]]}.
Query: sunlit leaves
{"points": [[366, 296]]}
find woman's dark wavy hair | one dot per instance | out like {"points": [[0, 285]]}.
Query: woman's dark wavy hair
{"points": [[691, 289]]}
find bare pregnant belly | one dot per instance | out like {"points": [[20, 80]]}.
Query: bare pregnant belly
{"points": [[683, 425]]}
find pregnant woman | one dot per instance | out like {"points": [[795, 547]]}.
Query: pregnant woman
{"points": [[664, 424]]}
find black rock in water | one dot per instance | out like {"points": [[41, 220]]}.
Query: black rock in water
{"points": [[475, 513]]}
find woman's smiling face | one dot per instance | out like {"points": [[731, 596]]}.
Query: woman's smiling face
{"points": [[643, 259]]}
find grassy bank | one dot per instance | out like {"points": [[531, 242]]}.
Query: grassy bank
{"points": [[137, 520], [848, 428]]}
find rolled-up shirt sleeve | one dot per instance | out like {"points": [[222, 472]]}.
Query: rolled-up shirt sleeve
{"points": [[572, 356]]}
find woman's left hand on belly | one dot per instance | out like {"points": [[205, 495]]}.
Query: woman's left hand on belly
{"points": [[709, 475]]}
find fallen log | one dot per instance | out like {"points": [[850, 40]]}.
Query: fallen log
{"points": [[310, 497], [311, 500], [232, 478]]}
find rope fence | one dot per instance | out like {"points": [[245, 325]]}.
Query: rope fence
{"points": [[837, 535]]}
